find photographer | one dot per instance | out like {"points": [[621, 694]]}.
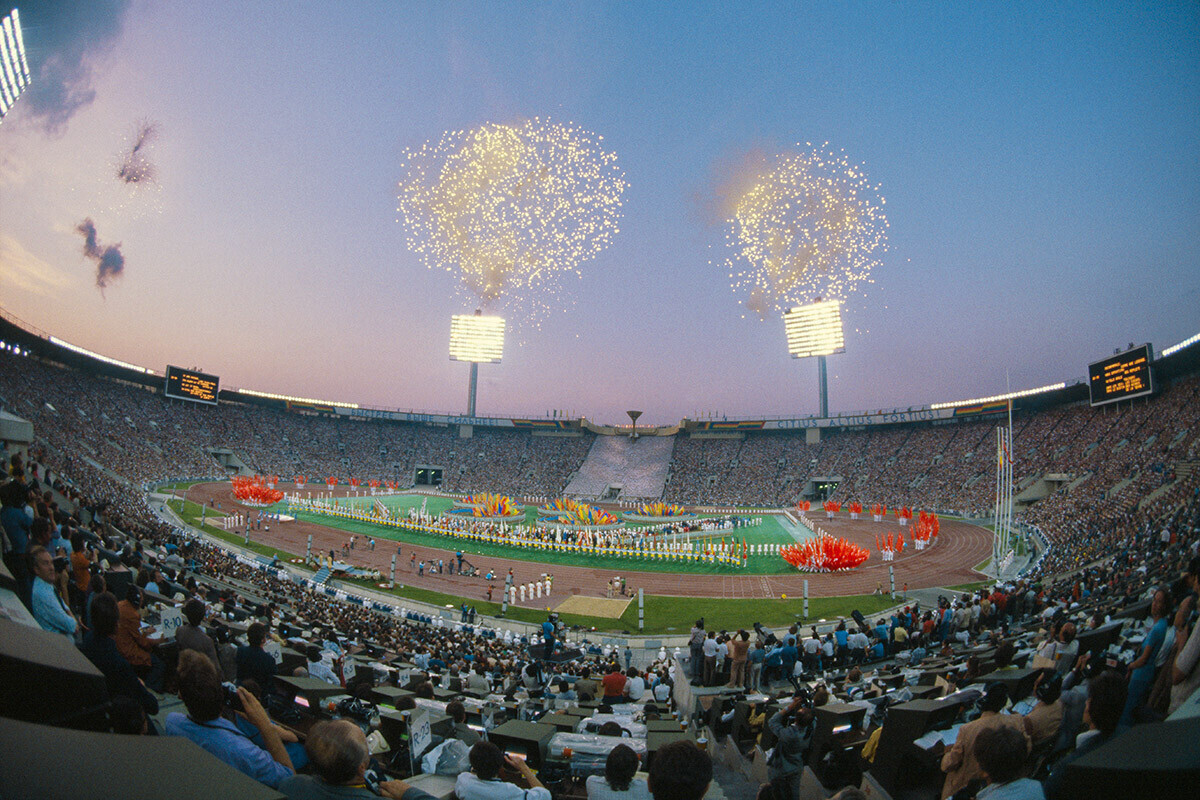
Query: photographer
{"points": [[202, 693], [793, 728]]}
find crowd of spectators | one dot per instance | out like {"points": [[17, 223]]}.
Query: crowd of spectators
{"points": [[1122, 530]]}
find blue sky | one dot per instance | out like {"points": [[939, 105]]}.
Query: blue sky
{"points": [[1040, 165]]}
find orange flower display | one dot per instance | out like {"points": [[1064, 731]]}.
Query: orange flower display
{"points": [[824, 553], [254, 491]]}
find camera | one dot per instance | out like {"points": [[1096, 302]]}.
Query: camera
{"points": [[61, 563], [231, 697]]}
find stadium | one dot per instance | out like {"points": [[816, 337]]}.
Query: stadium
{"points": [[288, 596]]}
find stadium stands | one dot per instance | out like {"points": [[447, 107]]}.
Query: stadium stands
{"points": [[1122, 516]]}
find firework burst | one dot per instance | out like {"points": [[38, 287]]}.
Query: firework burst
{"points": [[511, 209], [801, 226], [134, 167]]}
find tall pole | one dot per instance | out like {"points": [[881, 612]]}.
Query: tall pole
{"points": [[471, 385], [823, 385]]}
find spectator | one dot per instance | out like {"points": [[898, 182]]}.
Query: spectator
{"points": [[1102, 713], [100, 647], [190, 636], [483, 781], [253, 661], [1001, 754], [1141, 671], [337, 750], [463, 732], [793, 728], [1043, 721], [618, 782], [614, 685], [681, 771], [138, 649], [49, 608], [960, 763], [202, 693]]}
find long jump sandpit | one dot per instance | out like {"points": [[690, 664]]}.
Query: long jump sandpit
{"points": [[608, 607]]}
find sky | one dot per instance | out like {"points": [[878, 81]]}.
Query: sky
{"points": [[1040, 165]]}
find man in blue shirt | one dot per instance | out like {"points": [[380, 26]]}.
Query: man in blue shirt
{"points": [[201, 691], [49, 609]]}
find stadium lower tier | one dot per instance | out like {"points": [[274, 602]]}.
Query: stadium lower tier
{"points": [[961, 547]]}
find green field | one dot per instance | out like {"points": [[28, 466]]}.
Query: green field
{"points": [[770, 531], [663, 615]]}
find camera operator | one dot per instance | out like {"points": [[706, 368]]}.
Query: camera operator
{"points": [[202, 693], [793, 727]]}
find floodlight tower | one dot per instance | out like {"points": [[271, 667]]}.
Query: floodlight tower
{"points": [[479, 340], [14, 70], [816, 330]]}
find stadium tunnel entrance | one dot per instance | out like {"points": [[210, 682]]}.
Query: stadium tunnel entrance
{"points": [[820, 489]]}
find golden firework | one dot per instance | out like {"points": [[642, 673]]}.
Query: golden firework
{"points": [[511, 209], [802, 226]]}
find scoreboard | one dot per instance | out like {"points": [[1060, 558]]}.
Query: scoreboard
{"points": [[1121, 377], [186, 384]]}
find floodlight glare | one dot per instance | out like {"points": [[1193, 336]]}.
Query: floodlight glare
{"points": [[477, 339], [815, 329], [14, 69]]}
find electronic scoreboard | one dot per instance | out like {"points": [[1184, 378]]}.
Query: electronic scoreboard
{"points": [[1121, 377], [187, 384]]}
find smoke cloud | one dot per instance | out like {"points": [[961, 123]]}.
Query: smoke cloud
{"points": [[110, 263], [63, 40]]}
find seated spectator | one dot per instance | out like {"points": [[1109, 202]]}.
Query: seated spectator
{"points": [[681, 771], [1185, 677], [1001, 755], [618, 782], [138, 649], [49, 608], [317, 668], [1102, 712], [253, 661], [190, 636], [202, 693], [338, 752], [458, 712], [614, 684], [291, 742], [1043, 722], [128, 718], [483, 781], [100, 647], [959, 763], [635, 686]]}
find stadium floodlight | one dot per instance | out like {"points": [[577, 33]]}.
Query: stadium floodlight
{"points": [[816, 330], [479, 340], [14, 69]]}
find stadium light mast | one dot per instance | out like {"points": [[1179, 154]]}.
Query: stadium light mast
{"points": [[478, 340], [816, 330], [14, 69]]}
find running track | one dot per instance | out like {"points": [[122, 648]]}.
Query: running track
{"points": [[950, 562]]}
